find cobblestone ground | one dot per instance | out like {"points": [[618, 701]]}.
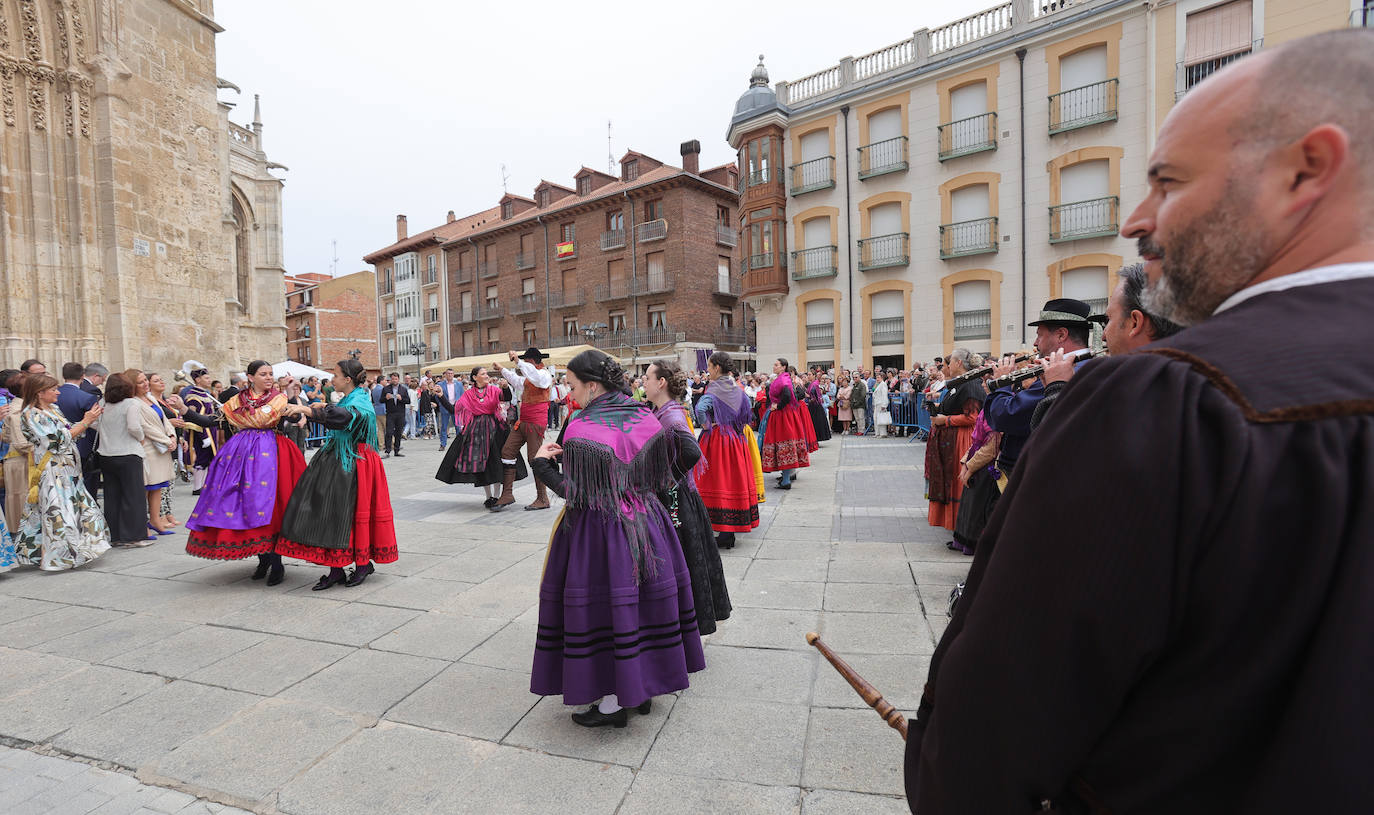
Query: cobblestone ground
{"points": [[193, 687]]}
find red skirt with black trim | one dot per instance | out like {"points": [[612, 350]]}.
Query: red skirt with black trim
{"points": [[373, 536], [727, 486], [237, 544], [786, 444]]}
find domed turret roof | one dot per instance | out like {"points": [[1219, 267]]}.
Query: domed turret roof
{"points": [[759, 98]]}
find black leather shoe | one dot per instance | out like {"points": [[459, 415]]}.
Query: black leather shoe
{"points": [[399, 454], [360, 574], [593, 717], [724, 542], [335, 577], [784, 486], [490, 502], [261, 572], [276, 573], [646, 708]]}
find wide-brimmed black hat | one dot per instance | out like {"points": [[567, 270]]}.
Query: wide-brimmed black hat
{"points": [[1064, 311], [533, 354]]}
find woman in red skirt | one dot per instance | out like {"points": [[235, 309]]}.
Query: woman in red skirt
{"points": [[785, 440], [727, 485], [340, 513]]}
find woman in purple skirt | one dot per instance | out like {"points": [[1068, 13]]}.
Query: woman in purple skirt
{"points": [[616, 621]]}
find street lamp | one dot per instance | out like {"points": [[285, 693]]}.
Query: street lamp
{"points": [[355, 353], [417, 349]]}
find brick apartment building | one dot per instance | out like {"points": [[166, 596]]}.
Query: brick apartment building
{"points": [[330, 318], [638, 264]]}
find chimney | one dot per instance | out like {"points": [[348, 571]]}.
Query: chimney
{"points": [[691, 152], [401, 232], [451, 217]]}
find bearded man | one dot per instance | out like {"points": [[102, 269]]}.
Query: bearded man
{"points": [[1169, 610]]}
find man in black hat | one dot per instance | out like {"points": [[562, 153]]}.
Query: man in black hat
{"points": [[1063, 326], [532, 386]]}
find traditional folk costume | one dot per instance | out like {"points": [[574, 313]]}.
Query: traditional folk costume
{"points": [[340, 511], [239, 513], [692, 521], [786, 429], [533, 387], [615, 600], [15, 465], [808, 425], [728, 483], [475, 455], [62, 527], [948, 445], [819, 422], [984, 486], [204, 441]]}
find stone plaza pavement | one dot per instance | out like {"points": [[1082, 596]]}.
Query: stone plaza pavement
{"points": [[410, 694]]}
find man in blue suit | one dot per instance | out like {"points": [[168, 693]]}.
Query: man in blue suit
{"points": [[73, 401]]}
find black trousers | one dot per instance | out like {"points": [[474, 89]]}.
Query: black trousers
{"points": [[395, 429], [126, 500]]}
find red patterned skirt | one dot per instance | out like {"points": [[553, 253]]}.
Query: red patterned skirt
{"points": [[373, 533], [727, 486], [237, 544], [786, 439]]}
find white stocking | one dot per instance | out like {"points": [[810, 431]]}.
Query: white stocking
{"points": [[608, 704]]}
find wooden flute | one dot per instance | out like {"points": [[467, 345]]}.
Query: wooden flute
{"points": [[869, 693]]}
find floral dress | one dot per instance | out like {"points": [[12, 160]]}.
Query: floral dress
{"points": [[63, 528]]}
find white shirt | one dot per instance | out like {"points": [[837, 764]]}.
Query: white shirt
{"points": [[1309, 277], [541, 377]]}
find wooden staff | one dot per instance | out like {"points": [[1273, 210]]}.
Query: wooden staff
{"points": [[869, 693]]}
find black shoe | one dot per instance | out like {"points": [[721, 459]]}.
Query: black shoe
{"points": [[646, 708], [593, 717], [276, 573], [490, 502], [725, 540], [399, 454], [261, 572], [195, 492], [360, 574], [334, 577], [782, 486]]}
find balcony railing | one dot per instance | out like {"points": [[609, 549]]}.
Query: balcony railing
{"points": [[816, 174], [634, 339], [615, 290], [651, 231], [880, 158], [730, 286], [527, 304], [735, 337], [1193, 74], [975, 324], [818, 261], [653, 283], [524, 260], [889, 330], [490, 312], [1097, 218], [612, 239], [1363, 17], [1097, 304], [975, 237], [459, 316], [964, 137], [763, 260], [726, 235], [757, 178], [432, 315], [567, 299], [488, 270], [1081, 107], [463, 276], [884, 250], [819, 336]]}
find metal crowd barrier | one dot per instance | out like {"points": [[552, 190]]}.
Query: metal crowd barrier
{"points": [[909, 412]]}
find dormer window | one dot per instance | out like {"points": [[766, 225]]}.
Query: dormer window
{"points": [[584, 185], [507, 210], [543, 198], [631, 169]]}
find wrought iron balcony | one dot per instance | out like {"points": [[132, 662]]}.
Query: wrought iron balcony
{"points": [[524, 260], [820, 336], [964, 137], [763, 260], [975, 324], [880, 158], [1097, 304], [651, 231], [818, 261], [459, 316], [735, 337], [652, 284], [731, 286], [488, 270], [490, 312], [726, 235], [431, 315], [816, 174], [616, 290], [463, 275], [975, 237], [884, 250], [612, 239], [1081, 107], [1195, 73], [889, 330], [527, 304], [757, 178], [635, 339], [567, 299], [1097, 218]]}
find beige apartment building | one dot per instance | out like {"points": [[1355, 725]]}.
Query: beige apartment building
{"points": [[937, 191]]}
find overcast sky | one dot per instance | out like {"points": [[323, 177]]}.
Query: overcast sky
{"points": [[412, 107]]}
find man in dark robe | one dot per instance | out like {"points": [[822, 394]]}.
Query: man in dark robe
{"points": [[1185, 625]]}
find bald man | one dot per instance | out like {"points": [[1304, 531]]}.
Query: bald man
{"points": [[1185, 625]]}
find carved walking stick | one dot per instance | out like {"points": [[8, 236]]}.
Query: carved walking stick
{"points": [[869, 693]]}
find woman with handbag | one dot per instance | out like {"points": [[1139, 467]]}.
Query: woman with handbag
{"points": [[340, 511], [159, 440]]}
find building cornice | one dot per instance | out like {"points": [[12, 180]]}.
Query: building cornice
{"points": [[196, 14]]}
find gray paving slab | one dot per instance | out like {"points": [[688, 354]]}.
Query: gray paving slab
{"points": [[853, 750], [858, 632], [892, 553], [18, 608], [354, 624], [898, 677], [257, 751], [774, 548], [439, 635], [835, 802], [154, 724], [660, 793], [511, 649], [439, 704], [891, 597], [494, 600], [869, 571], [763, 593], [50, 624], [366, 681], [271, 665], [768, 628], [22, 670], [419, 593], [812, 571], [187, 651], [514, 781], [754, 673], [734, 740], [43, 711], [115, 637], [549, 728]]}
